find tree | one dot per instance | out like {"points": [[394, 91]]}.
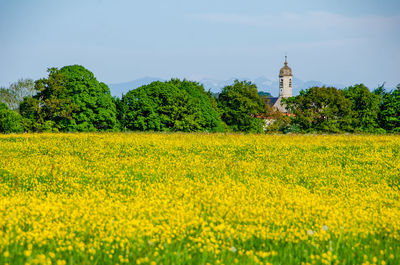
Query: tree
{"points": [[239, 105], [16, 93], [122, 110], [365, 107], [276, 121], [323, 109], [390, 110], [206, 103], [71, 99], [10, 121], [161, 106]]}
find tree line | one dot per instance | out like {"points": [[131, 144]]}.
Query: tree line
{"points": [[71, 99]]}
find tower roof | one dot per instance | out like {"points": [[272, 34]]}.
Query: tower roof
{"points": [[285, 70]]}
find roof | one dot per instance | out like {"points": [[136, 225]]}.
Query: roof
{"points": [[285, 70], [271, 101], [277, 104]]}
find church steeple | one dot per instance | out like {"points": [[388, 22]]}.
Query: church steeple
{"points": [[285, 80]]}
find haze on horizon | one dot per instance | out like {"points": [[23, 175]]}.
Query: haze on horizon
{"points": [[344, 42]]}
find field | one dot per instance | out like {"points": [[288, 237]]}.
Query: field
{"points": [[154, 198]]}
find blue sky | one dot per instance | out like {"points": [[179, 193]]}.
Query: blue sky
{"points": [[345, 42]]}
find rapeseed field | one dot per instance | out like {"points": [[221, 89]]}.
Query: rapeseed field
{"points": [[154, 198]]}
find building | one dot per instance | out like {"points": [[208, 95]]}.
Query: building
{"points": [[285, 88]]}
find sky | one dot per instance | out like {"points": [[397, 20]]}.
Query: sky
{"points": [[342, 42]]}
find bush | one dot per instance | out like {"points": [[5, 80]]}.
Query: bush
{"points": [[10, 121]]}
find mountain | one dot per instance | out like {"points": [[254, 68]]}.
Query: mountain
{"points": [[215, 85], [122, 88], [264, 94]]}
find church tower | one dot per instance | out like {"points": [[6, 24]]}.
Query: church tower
{"points": [[285, 81]]}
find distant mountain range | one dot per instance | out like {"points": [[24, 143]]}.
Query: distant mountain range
{"points": [[214, 85]]}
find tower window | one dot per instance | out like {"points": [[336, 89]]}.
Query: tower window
{"points": [[281, 83], [290, 82]]}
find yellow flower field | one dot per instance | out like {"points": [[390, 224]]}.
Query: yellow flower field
{"points": [[154, 198]]}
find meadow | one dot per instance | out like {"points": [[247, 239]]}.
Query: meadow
{"points": [[155, 198]]}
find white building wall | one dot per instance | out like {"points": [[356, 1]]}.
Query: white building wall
{"points": [[285, 86]]}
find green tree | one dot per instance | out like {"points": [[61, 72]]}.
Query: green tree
{"points": [[365, 106], [161, 106], [206, 103], [122, 110], [10, 120], [323, 109], [276, 121], [16, 93], [239, 105], [390, 110], [71, 99]]}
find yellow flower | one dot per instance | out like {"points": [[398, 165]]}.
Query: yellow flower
{"points": [[116, 194]]}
